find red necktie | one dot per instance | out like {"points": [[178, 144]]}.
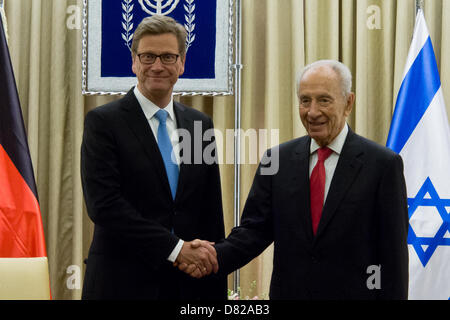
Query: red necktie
{"points": [[317, 187]]}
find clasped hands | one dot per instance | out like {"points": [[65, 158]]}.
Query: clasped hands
{"points": [[198, 258]]}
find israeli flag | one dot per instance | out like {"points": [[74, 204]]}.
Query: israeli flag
{"points": [[420, 134]]}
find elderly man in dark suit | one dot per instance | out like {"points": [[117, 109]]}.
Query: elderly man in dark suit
{"points": [[336, 210], [147, 201]]}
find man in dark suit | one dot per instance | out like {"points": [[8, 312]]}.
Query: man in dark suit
{"points": [[147, 200], [336, 210]]}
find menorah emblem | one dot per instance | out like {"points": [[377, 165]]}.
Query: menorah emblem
{"points": [[158, 8]]}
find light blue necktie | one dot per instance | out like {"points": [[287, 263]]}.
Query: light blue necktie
{"points": [[165, 147]]}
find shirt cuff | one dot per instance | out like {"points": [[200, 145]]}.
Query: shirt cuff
{"points": [[173, 256]]}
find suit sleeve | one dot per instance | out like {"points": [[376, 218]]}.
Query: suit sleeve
{"points": [[106, 206], [255, 232], [393, 230]]}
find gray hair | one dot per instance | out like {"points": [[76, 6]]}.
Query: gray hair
{"points": [[156, 25], [341, 70]]}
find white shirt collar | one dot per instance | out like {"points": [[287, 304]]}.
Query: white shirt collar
{"points": [[336, 145], [149, 108]]}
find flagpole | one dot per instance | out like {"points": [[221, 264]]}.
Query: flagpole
{"points": [[237, 126]]}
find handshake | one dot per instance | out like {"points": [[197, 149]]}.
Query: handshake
{"points": [[198, 258]]}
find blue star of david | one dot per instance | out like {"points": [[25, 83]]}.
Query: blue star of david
{"points": [[438, 239]]}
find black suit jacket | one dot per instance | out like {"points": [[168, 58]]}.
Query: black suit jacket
{"points": [[364, 223], [128, 197]]}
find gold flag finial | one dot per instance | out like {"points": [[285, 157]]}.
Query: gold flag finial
{"points": [[419, 5]]}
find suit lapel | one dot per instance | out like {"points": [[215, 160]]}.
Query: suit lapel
{"points": [[300, 184], [186, 123], [347, 169], [138, 123]]}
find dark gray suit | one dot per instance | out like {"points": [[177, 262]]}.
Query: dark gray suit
{"points": [[364, 223], [128, 198]]}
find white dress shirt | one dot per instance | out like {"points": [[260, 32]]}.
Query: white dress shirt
{"points": [[331, 162], [150, 109]]}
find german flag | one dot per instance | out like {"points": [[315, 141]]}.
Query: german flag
{"points": [[23, 255]]}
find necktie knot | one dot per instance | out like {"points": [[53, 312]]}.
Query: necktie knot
{"points": [[323, 153], [161, 115]]}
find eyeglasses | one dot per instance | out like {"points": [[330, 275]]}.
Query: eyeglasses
{"points": [[150, 58]]}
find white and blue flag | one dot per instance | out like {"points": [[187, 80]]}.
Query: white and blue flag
{"points": [[420, 134]]}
